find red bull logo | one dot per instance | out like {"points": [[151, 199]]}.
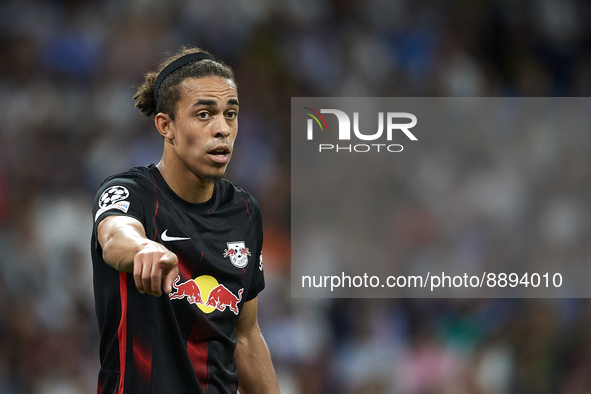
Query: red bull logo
{"points": [[218, 296], [189, 289], [231, 252]]}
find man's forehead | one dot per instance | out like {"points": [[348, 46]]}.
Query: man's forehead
{"points": [[212, 88]]}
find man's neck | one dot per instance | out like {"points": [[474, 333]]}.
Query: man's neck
{"points": [[185, 183]]}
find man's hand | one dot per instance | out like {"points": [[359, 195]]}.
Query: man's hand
{"points": [[152, 264], [127, 249]]}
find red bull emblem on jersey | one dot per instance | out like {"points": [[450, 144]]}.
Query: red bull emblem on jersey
{"points": [[220, 298], [238, 253], [205, 292], [189, 289]]}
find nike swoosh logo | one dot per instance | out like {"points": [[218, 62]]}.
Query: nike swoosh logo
{"points": [[165, 237]]}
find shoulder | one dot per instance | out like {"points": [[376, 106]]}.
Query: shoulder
{"points": [[136, 178], [128, 192], [134, 184], [135, 174]]}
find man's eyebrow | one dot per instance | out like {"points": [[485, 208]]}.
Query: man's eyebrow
{"points": [[213, 103], [209, 103]]}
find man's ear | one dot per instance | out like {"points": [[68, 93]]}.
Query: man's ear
{"points": [[164, 125]]}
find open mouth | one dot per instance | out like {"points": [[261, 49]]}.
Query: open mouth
{"points": [[220, 154]]}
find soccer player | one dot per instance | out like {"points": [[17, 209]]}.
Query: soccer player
{"points": [[176, 249]]}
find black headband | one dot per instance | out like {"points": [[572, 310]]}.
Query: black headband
{"points": [[178, 63]]}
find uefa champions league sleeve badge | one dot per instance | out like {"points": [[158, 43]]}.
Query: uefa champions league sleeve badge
{"points": [[113, 198]]}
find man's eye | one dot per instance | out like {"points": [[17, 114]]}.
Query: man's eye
{"points": [[231, 115], [203, 115]]}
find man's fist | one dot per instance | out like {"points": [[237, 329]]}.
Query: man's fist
{"points": [[154, 268]]}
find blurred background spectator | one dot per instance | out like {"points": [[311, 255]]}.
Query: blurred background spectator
{"points": [[67, 72]]}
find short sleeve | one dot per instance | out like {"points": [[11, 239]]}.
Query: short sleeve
{"points": [[120, 196], [258, 279]]}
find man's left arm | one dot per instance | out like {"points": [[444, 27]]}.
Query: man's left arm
{"points": [[255, 370]]}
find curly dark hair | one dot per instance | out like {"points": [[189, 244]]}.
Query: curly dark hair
{"points": [[169, 92]]}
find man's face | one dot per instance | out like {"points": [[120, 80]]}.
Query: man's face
{"points": [[205, 125]]}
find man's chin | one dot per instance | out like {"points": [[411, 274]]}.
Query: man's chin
{"points": [[211, 179], [214, 175]]}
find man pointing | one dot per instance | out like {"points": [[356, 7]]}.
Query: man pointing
{"points": [[168, 228]]}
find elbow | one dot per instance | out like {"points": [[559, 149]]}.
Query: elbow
{"points": [[115, 255], [109, 256]]}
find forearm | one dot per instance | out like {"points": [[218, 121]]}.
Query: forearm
{"points": [[126, 248], [120, 247], [255, 370]]}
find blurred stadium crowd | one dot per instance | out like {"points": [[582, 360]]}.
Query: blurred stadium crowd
{"points": [[67, 73]]}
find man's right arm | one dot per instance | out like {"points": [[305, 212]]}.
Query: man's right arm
{"points": [[127, 249]]}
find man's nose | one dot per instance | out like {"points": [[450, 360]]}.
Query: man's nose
{"points": [[221, 128]]}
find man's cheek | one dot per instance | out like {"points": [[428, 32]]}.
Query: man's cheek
{"points": [[190, 141]]}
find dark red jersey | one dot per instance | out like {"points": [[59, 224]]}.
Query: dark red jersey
{"points": [[184, 342]]}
